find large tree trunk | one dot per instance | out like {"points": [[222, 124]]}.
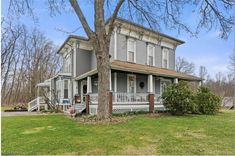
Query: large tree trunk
{"points": [[102, 55], [103, 68]]}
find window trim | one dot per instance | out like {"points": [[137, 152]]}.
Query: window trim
{"points": [[167, 56], [148, 54], [129, 75], [127, 52]]}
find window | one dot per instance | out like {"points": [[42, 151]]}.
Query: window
{"points": [[151, 55], [131, 48], [164, 84], [165, 58], [131, 84], [66, 89]]}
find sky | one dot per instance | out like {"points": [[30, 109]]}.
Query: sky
{"points": [[207, 49]]}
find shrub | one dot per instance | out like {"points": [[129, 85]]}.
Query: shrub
{"points": [[177, 98], [206, 101]]}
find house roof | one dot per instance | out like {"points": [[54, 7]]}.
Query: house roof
{"points": [[145, 69]]}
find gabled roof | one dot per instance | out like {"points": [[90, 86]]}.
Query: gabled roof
{"points": [[145, 69]]}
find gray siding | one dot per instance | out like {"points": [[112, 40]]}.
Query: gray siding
{"points": [[83, 60], [157, 87], [111, 48], [93, 60], [121, 82], [171, 59], [158, 56], [121, 47], [141, 52], [139, 79]]}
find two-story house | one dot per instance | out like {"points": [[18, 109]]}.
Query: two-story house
{"points": [[142, 63]]}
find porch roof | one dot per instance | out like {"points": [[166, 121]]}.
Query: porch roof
{"points": [[145, 69]]}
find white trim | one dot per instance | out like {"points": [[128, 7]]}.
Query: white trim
{"points": [[148, 53], [148, 38], [175, 80], [127, 52], [115, 82], [91, 72], [129, 75], [167, 57], [110, 80], [89, 87], [115, 43], [74, 58]]}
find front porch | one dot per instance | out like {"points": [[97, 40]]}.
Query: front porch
{"points": [[133, 87]]}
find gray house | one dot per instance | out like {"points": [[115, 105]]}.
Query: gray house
{"points": [[142, 63]]}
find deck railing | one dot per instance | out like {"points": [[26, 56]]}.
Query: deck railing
{"points": [[34, 103]]}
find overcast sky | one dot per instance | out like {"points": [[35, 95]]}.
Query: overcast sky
{"points": [[207, 49]]}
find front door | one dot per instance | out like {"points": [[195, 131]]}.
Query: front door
{"points": [[83, 90]]}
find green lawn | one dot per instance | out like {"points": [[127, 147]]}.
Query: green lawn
{"points": [[6, 108], [56, 134]]}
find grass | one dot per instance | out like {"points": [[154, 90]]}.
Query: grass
{"points": [[143, 134], [6, 108]]}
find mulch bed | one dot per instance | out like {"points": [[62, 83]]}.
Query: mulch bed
{"points": [[92, 119]]}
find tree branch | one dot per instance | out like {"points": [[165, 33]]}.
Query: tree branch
{"points": [[114, 16], [82, 18]]}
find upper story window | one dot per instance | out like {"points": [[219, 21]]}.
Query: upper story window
{"points": [[151, 55], [165, 58], [131, 50]]}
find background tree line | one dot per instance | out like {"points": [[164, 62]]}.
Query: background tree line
{"points": [[223, 84], [27, 58]]}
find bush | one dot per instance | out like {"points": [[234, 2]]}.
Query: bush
{"points": [[206, 101], [177, 98]]}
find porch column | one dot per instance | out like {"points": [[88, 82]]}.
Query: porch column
{"points": [[151, 95], [150, 83], [110, 80], [89, 87], [175, 80], [115, 82], [87, 103], [110, 103]]}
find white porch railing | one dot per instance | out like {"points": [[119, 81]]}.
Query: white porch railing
{"points": [[94, 98], [130, 98]]}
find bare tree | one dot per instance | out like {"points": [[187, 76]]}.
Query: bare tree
{"points": [[28, 58], [153, 13], [182, 65]]}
